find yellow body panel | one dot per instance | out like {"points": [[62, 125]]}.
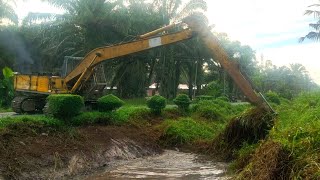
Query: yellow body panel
{"points": [[34, 83], [43, 84], [40, 84], [22, 82]]}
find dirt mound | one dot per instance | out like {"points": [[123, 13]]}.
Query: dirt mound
{"points": [[270, 161], [250, 127], [30, 153]]}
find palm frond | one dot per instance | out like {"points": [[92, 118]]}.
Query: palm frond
{"points": [[312, 36], [7, 12], [191, 8], [40, 17], [314, 5], [315, 13], [315, 26]]}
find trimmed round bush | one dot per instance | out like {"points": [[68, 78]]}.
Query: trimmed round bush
{"points": [[182, 101], [109, 103], [156, 104], [64, 105]]}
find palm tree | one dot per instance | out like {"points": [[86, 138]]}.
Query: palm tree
{"points": [[315, 34], [170, 65], [7, 12], [84, 26]]}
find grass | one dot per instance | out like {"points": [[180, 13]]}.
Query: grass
{"points": [[294, 141], [118, 117], [33, 124], [187, 130], [3, 109], [217, 109], [298, 130]]}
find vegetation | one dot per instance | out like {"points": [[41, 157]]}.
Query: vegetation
{"points": [[109, 103], [185, 130], [296, 129], [314, 11], [156, 104], [6, 88], [64, 106], [182, 101], [292, 147], [273, 97], [36, 122], [41, 41]]}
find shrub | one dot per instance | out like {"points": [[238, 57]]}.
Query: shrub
{"points": [[6, 87], [64, 105], [214, 89], [182, 101], [156, 104], [109, 103], [273, 97]]}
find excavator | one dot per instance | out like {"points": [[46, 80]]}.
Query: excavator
{"points": [[32, 90]]}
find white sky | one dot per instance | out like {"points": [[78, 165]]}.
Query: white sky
{"points": [[270, 27]]}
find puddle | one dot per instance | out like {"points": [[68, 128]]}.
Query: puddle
{"points": [[169, 165]]}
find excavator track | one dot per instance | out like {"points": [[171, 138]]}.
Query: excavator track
{"points": [[26, 104]]}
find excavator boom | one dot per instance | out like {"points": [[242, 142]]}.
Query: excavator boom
{"points": [[109, 52]]}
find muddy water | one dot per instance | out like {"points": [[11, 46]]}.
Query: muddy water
{"points": [[169, 165]]}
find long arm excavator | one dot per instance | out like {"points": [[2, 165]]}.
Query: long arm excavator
{"points": [[32, 90]]}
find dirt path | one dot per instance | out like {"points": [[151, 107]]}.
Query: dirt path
{"points": [[6, 114]]}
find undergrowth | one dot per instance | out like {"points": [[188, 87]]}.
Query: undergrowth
{"points": [[217, 109], [186, 131], [4, 109], [298, 130], [292, 148], [34, 124]]}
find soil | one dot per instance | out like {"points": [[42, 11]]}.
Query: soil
{"points": [[29, 154]]}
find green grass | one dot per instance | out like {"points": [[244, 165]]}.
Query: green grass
{"points": [[187, 130], [39, 121], [217, 109], [2, 110], [297, 129]]}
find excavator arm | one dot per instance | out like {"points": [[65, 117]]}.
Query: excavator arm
{"points": [[84, 69]]}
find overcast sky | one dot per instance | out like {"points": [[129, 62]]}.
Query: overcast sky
{"points": [[270, 27]]}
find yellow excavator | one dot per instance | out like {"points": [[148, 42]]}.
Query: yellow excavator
{"points": [[32, 90]]}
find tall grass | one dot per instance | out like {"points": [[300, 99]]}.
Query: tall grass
{"points": [[188, 131], [297, 133], [298, 130]]}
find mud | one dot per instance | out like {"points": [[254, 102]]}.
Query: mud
{"points": [[36, 155]]}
